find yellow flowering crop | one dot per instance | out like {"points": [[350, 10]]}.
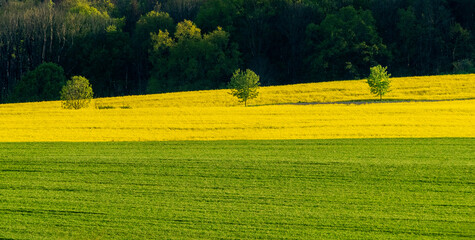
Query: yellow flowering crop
{"points": [[216, 115], [408, 88]]}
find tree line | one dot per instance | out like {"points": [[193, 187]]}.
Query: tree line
{"points": [[129, 47]]}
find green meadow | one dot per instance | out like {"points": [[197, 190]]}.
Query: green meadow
{"points": [[283, 189]]}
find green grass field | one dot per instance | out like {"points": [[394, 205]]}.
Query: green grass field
{"points": [[305, 189]]}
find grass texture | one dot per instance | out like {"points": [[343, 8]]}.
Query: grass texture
{"points": [[300, 189]]}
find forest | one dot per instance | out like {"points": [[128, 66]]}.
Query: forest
{"points": [[129, 47]]}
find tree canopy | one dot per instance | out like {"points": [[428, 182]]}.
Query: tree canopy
{"points": [[190, 60], [378, 81], [244, 85], [41, 84], [139, 46], [77, 93], [344, 45]]}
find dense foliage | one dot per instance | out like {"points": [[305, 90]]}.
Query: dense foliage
{"points": [[116, 43], [191, 60], [244, 85], [378, 81], [42, 83], [77, 93]]}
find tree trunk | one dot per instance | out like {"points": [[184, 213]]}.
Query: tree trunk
{"points": [[51, 32]]}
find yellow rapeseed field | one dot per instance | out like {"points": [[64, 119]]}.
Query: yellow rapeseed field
{"points": [[216, 115], [409, 88]]}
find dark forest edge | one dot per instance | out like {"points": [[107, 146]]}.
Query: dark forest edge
{"points": [[145, 46]]}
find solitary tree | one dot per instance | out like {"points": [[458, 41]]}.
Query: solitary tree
{"points": [[244, 85], [379, 81], [77, 93]]}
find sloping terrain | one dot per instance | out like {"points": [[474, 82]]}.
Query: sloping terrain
{"points": [[404, 170], [216, 115]]}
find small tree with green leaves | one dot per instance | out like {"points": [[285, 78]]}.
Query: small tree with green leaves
{"points": [[379, 81], [244, 85], [77, 93]]}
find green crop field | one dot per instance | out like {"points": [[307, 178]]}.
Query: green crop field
{"points": [[306, 189]]}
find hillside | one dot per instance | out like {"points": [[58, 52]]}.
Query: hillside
{"points": [[445, 87], [207, 115], [401, 169], [411, 88]]}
